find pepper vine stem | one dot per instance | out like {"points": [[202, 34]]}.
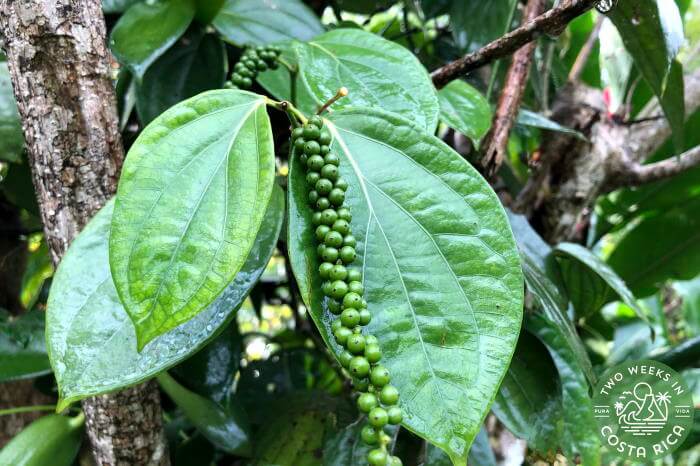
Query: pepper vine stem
{"points": [[27, 409], [295, 115], [342, 92]]}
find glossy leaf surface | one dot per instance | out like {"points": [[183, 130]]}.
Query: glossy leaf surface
{"points": [[92, 343], [226, 427], [244, 22], [440, 268], [378, 73], [196, 63], [11, 137], [147, 30], [52, 439], [464, 109], [652, 31], [22, 347], [190, 202]]}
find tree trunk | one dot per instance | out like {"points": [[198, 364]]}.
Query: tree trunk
{"points": [[60, 69]]}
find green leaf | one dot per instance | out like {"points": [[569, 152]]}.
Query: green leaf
{"points": [[441, 271], [52, 439], [580, 432], [660, 248], [225, 427], [363, 6], [682, 356], [480, 453], [377, 72], [207, 10], [92, 342], [544, 281], [212, 370], [196, 63], [252, 22], [147, 30], [117, 6], [22, 347], [475, 22], [590, 282], [39, 268], [690, 293], [652, 31], [615, 65], [11, 137], [190, 202], [464, 109], [535, 120], [278, 82]]}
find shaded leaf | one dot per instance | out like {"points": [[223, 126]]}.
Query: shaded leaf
{"points": [[52, 439], [225, 427], [147, 30], [117, 6], [690, 292], [682, 356], [615, 65], [206, 10], [22, 347], [535, 120], [464, 109], [475, 23], [437, 257], [39, 268], [189, 206], [92, 342], [480, 454], [377, 72], [11, 137], [196, 63], [251, 22]]}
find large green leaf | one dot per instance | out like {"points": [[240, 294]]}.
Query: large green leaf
{"points": [[475, 22], [11, 138], [147, 30], [652, 31], [92, 342], [190, 202], [195, 64], [377, 72], [579, 436], [660, 248], [226, 427], [244, 22], [480, 454], [441, 270], [52, 439], [590, 282], [615, 65], [464, 109], [22, 347], [278, 82]]}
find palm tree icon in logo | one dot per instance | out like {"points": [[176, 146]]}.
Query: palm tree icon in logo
{"points": [[645, 413]]}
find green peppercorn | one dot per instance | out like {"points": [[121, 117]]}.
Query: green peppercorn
{"points": [[299, 144], [311, 132], [341, 226], [329, 171], [350, 317], [247, 82], [364, 304], [260, 65], [344, 214], [322, 231], [313, 196], [312, 148], [325, 138], [369, 435], [338, 289], [339, 272], [371, 340], [341, 184], [355, 287], [347, 254], [323, 203], [333, 239], [329, 217], [335, 308], [335, 325], [330, 255], [389, 395], [332, 159], [377, 457], [367, 402], [336, 196], [312, 178], [349, 240], [324, 270], [326, 288], [378, 417], [303, 158], [356, 344], [315, 163], [341, 336], [365, 317], [394, 415], [373, 352], [352, 301], [320, 249], [297, 132], [379, 376], [361, 385], [394, 461], [359, 367], [345, 359], [316, 219], [316, 120], [324, 186], [354, 275]]}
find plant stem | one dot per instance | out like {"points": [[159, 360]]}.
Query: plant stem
{"points": [[294, 114], [342, 92], [27, 409]]}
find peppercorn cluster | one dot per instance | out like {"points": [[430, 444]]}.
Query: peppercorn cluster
{"points": [[253, 61], [344, 290]]}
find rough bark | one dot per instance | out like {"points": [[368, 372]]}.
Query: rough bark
{"points": [[60, 69]]}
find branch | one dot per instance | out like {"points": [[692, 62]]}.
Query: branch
{"points": [[552, 22], [632, 173], [496, 141]]}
